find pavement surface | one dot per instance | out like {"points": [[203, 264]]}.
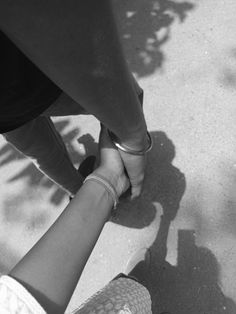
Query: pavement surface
{"points": [[183, 54]]}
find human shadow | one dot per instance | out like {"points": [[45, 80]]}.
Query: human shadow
{"points": [[145, 27], [192, 286], [30, 174], [164, 184]]}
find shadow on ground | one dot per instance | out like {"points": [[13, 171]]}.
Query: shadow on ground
{"points": [[192, 286], [164, 184], [17, 210], [145, 27], [30, 173]]}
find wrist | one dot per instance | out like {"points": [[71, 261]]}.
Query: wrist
{"points": [[137, 142], [109, 175], [135, 138]]}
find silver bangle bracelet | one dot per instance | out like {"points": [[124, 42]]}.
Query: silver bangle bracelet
{"points": [[106, 184], [129, 150]]}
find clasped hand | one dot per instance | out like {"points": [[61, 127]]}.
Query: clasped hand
{"points": [[121, 169]]}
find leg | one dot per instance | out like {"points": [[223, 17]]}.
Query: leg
{"points": [[40, 141], [76, 44], [66, 106]]}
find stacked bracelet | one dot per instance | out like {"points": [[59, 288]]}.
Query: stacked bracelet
{"points": [[129, 150], [106, 184]]}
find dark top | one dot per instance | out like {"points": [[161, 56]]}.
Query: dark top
{"points": [[25, 92]]}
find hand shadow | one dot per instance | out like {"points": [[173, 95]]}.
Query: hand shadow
{"points": [[164, 184]]}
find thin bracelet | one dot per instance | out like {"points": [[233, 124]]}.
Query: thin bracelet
{"points": [[129, 150], [106, 184]]}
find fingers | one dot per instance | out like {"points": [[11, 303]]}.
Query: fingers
{"points": [[116, 160], [111, 163], [135, 168], [136, 189], [109, 155]]}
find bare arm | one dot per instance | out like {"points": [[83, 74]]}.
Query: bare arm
{"points": [[51, 269]]}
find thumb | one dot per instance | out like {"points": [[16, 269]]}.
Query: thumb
{"points": [[136, 182], [135, 191]]}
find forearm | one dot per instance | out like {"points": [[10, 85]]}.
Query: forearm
{"points": [[76, 44], [53, 266]]}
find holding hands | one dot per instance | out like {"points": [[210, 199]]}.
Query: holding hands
{"points": [[119, 165], [110, 163]]}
